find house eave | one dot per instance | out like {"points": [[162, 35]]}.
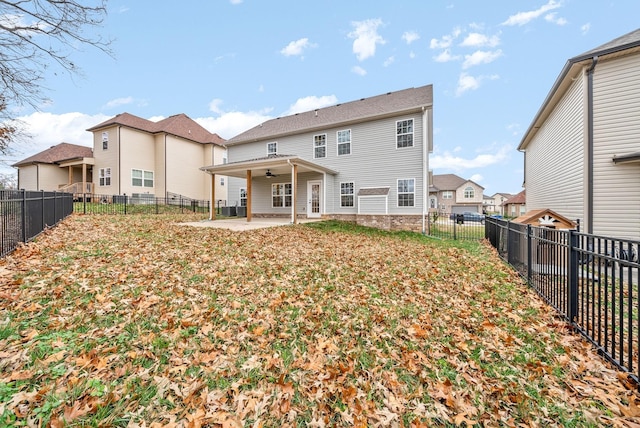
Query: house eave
{"points": [[278, 165]]}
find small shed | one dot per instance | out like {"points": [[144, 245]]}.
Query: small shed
{"points": [[546, 218]]}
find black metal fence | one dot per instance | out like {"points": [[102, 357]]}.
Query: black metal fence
{"points": [[137, 204], [25, 214], [592, 281], [455, 226]]}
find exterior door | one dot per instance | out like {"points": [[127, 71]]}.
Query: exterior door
{"points": [[314, 199]]}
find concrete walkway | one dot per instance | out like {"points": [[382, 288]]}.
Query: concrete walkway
{"points": [[240, 224]]}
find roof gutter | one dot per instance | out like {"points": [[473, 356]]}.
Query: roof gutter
{"points": [[594, 62]]}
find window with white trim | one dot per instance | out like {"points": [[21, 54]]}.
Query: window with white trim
{"points": [[406, 192], [320, 146], [281, 195], [141, 178], [404, 133], [469, 192], [222, 181], [105, 177], [243, 197], [347, 192], [344, 142], [272, 148], [447, 194], [105, 140]]}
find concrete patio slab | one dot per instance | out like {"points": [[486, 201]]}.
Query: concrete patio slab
{"points": [[241, 224]]}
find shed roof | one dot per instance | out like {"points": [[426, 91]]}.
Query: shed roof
{"points": [[391, 103], [58, 153], [545, 217], [179, 125]]}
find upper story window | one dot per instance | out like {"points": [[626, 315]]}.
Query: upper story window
{"points": [[469, 192], [406, 192], [346, 194], [105, 140], [447, 194], [344, 142], [140, 177], [404, 133], [225, 160], [105, 177], [320, 146], [222, 181], [272, 148]]}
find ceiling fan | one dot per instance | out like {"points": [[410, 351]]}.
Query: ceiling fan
{"points": [[269, 174]]}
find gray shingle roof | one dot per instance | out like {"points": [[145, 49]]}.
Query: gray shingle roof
{"points": [[626, 41], [179, 125], [58, 153], [366, 108]]}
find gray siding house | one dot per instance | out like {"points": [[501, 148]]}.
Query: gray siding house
{"points": [[364, 161], [582, 150]]}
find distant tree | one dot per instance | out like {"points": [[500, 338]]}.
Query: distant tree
{"points": [[8, 181], [34, 34]]}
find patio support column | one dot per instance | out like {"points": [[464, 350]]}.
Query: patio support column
{"points": [[70, 181], [212, 208], [249, 195], [294, 190], [84, 177]]}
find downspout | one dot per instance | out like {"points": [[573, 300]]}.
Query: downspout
{"points": [[425, 169], [119, 164], [590, 144], [294, 193], [166, 191]]}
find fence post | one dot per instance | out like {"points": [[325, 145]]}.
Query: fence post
{"points": [[572, 289], [509, 258], [125, 203], [24, 215], [529, 258], [84, 203]]}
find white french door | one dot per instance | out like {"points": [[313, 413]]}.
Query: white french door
{"points": [[314, 199]]}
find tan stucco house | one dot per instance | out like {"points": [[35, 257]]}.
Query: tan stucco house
{"points": [[582, 150], [450, 193]]}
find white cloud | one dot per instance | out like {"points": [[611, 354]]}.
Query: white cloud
{"points": [[552, 19], [358, 70], [585, 28], [232, 123], [480, 57], [467, 82], [478, 40], [445, 56], [446, 41], [296, 47], [310, 103], [214, 105], [235, 1], [118, 102], [522, 18], [410, 37], [476, 178], [458, 163], [389, 61], [412, 55], [366, 38]]}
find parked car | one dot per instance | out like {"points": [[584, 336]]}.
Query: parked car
{"points": [[468, 216]]}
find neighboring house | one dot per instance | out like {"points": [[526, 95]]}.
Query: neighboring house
{"points": [[497, 206], [516, 205], [56, 168], [450, 193], [363, 161], [135, 156], [582, 150]]}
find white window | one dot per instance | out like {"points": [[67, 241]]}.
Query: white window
{"points": [[281, 195], [344, 142], [222, 181], [404, 133], [447, 194], [320, 146], [272, 148], [243, 197], [346, 194], [142, 178], [469, 192], [224, 158], [406, 192], [105, 140], [105, 177]]}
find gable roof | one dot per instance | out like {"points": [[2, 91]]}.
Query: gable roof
{"points": [[545, 217], [572, 67], [449, 182], [179, 125], [520, 198], [58, 153], [391, 103]]}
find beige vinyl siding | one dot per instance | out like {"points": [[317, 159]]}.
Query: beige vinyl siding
{"points": [[617, 132], [159, 171], [137, 152], [184, 176], [106, 159], [556, 158], [52, 177], [28, 177]]}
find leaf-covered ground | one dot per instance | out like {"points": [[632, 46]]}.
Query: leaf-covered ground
{"points": [[139, 321]]}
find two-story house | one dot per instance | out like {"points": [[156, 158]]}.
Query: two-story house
{"points": [[363, 161], [582, 149], [450, 193]]}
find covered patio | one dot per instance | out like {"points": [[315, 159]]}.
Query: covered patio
{"points": [[270, 167]]}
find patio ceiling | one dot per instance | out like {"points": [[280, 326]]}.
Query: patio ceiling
{"points": [[277, 165]]}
